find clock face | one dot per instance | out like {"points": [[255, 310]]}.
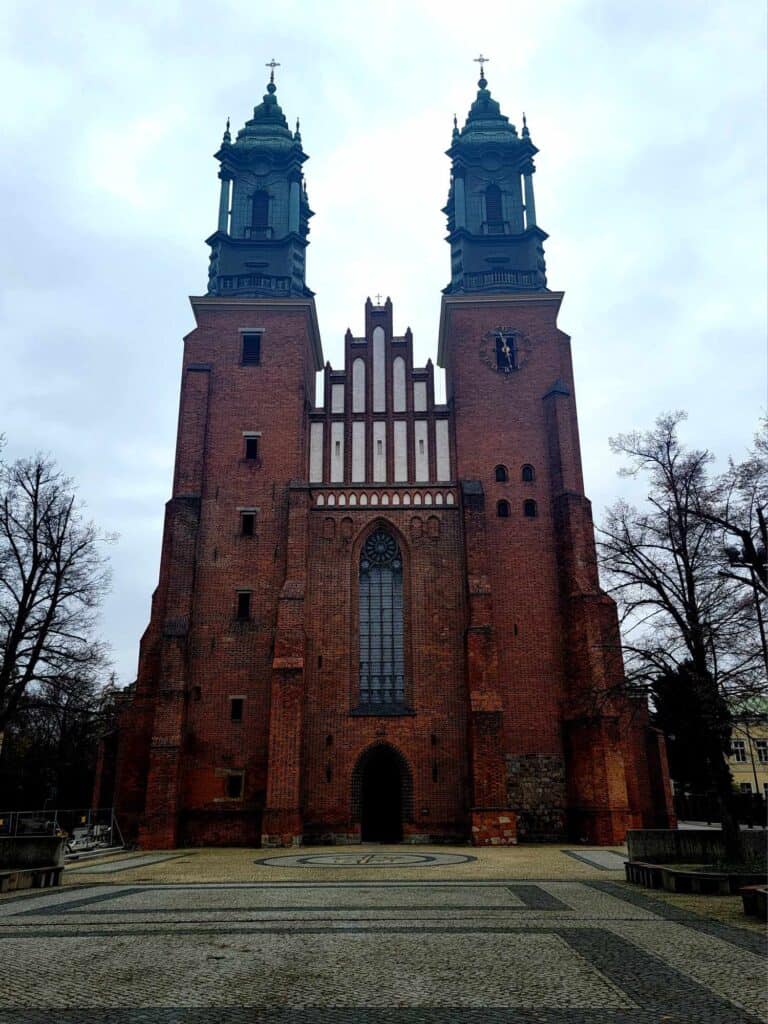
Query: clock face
{"points": [[505, 350]]}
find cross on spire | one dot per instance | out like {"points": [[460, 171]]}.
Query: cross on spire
{"points": [[481, 60], [378, 298], [272, 65]]}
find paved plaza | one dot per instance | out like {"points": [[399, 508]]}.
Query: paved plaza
{"points": [[369, 935]]}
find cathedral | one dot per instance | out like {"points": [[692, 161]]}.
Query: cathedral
{"points": [[378, 618]]}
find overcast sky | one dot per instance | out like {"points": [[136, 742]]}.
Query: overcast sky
{"points": [[650, 119]]}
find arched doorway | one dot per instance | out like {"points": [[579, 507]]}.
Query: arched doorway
{"points": [[383, 789]]}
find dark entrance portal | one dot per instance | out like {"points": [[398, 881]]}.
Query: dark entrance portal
{"points": [[381, 795]]}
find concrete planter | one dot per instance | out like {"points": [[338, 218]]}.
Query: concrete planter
{"points": [[692, 846], [30, 862], [31, 852]]}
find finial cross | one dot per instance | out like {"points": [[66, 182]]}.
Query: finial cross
{"points": [[272, 65], [378, 298], [482, 60]]}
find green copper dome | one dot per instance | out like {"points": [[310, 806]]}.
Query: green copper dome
{"points": [[485, 121], [268, 122]]}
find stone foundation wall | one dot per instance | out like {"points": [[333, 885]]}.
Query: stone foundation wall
{"points": [[493, 827], [536, 791]]}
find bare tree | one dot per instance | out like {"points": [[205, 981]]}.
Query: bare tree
{"points": [[737, 507], [663, 563], [53, 575]]}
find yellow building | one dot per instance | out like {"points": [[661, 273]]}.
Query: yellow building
{"points": [[749, 754]]}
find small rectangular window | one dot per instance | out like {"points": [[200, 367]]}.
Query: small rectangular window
{"points": [[247, 524], [235, 785], [738, 751], [761, 746], [251, 355], [236, 709], [251, 447], [243, 604], [745, 787]]}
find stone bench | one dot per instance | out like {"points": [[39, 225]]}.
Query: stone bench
{"points": [[687, 880], [642, 873], [755, 900], [12, 879], [710, 882]]}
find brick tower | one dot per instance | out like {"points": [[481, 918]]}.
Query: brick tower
{"points": [[378, 618], [544, 664]]}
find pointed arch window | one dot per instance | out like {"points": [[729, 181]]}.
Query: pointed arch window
{"points": [[382, 658], [494, 216]]}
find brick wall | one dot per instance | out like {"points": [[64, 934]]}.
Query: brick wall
{"points": [[511, 650]]}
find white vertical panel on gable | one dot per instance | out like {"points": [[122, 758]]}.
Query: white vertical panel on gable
{"points": [[337, 398], [421, 449], [358, 385], [316, 453], [358, 452], [419, 396], [443, 450], [379, 452], [379, 371], [398, 384], [401, 451], [337, 453]]}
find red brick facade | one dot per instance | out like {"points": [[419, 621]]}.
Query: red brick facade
{"points": [[509, 725]]}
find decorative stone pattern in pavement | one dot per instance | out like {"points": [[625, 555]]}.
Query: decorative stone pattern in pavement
{"points": [[365, 860], [411, 953], [127, 864], [606, 860]]}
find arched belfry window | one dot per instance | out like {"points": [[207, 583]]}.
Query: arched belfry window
{"points": [[382, 659], [493, 213], [260, 211]]}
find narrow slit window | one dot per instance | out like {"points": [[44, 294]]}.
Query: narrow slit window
{"points": [[251, 354], [243, 605], [235, 785], [247, 524], [502, 509], [251, 447], [528, 474], [236, 709], [529, 509]]}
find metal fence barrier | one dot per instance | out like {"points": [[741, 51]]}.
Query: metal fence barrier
{"points": [[85, 828]]}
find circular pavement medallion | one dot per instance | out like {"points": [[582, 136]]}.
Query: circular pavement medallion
{"points": [[365, 860]]}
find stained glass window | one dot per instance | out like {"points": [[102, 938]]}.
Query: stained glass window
{"points": [[382, 662]]}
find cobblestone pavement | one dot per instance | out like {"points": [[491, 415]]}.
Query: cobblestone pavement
{"points": [[249, 865], [372, 952]]}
